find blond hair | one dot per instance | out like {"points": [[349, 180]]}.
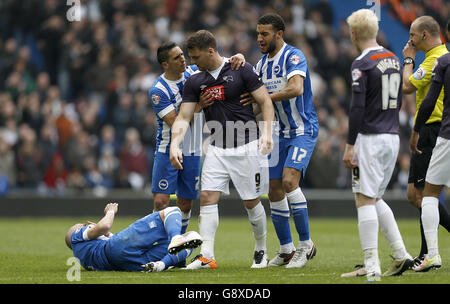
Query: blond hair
{"points": [[364, 23]]}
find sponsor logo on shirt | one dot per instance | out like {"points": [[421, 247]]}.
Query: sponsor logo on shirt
{"points": [[217, 91]]}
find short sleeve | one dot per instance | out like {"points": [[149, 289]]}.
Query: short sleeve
{"points": [[80, 235], [422, 76], [251, 78], [296, 64], [161, 103], [190, 94]]}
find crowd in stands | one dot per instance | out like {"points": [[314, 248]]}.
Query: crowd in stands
{"points": [[74, 110]]}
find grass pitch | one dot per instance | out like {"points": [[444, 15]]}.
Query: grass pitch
{"points": [[33, 251]]}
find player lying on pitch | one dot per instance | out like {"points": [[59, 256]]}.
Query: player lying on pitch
{"points": [[151, 244]]}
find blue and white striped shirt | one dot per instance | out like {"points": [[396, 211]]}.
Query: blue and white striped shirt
{"points": [[166, 96], [295, 116]]}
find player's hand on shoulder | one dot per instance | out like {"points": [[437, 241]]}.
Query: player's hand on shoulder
{"points": [[237, 61]]}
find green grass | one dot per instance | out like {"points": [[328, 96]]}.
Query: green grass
{"points": [[33, 251]]}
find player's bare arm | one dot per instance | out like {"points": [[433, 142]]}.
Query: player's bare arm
{"points": [[408, 52], [262, 98], [104, 226], [179, 128], [294, 88]]}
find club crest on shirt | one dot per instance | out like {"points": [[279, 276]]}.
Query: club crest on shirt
{"points": [[356, 74], [277, 68], [228, 78], [295, 59], [156, 99], [420, 73]]}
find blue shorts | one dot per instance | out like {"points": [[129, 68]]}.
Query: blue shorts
{"points": [[292, 153], [143, 241], [166, 179]]}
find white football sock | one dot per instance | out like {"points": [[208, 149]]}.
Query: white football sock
{"points": [[368, 231], [208, 223], [258, 221], [389, 228], [430, 223]]}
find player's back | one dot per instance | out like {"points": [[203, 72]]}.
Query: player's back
{"points": [[376, 74]]}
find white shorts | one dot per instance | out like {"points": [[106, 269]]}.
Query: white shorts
{"points": [[438, 172], [244, 165], [376, 155]]}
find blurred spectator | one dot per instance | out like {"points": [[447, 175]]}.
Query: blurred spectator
{"points": [[108, 141], [55, 176], [29, 159], [7, 164], [133, 168], [78, 149], [123, 114], [99, 183]]}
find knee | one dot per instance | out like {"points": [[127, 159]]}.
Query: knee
{"points": [[289, 185], [161, 202]]}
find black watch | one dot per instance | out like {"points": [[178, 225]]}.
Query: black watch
{"points": [[409, 60]]}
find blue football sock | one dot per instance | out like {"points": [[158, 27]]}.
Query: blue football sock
{"points": [[176, 259], [279, 213], [172, 221], [299, 213]]}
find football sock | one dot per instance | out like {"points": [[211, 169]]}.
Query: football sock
{"points": [[185, 217], [279, 213], [299, 213], [368, 227], [389, 228], [173, 259], [208, 224], [423, 244], [172, 221], [430, 221], [444, 217], [258, 221]]}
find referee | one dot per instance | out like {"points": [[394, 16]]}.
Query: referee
{"points": [[424, 36]]}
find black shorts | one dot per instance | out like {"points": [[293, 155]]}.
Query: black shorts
{"points": [[418, 165]]}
